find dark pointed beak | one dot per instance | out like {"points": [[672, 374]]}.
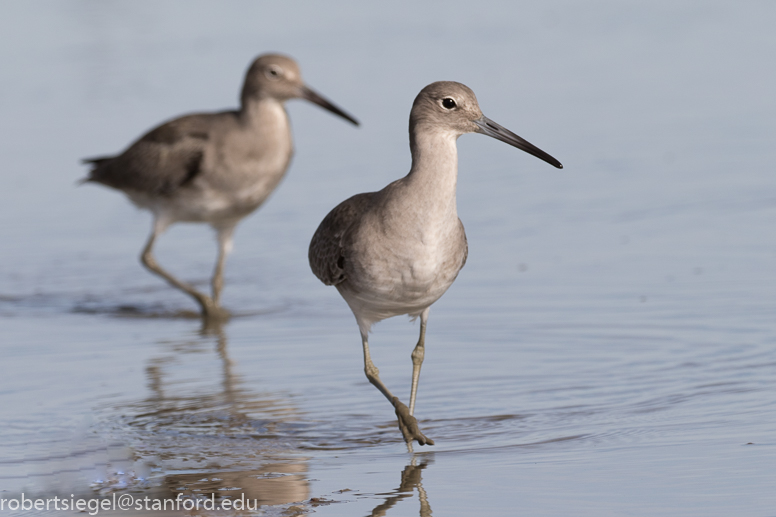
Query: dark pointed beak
{"points": [[490, 128], [324, 103]]}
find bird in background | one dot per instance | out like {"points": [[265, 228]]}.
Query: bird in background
{"points": [[213, 168], [397, 251]]}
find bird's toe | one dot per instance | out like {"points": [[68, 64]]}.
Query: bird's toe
{"points": [[408, 425]]}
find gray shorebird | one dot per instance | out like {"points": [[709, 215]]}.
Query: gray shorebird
{"points": [[397, 251], [213, 168]]}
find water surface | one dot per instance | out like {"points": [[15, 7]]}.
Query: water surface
{"points": [[609, 348]]}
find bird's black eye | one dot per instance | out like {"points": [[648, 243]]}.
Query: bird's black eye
{"points": [[273, 72], [448, 103]]}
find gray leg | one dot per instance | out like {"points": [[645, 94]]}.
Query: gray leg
{"points": [[209, 309], [224, 237], [417, 359], [408, 425], [371, 371]]}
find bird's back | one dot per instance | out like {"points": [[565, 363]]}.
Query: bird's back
{"points": [[163, 160]]}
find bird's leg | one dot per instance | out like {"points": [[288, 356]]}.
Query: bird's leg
{"points": [[417, 359], [371, 371], [209, 309], [224, 237], [408, 425]]}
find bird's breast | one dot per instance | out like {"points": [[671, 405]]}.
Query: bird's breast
{"points": [[249, 166], [408, 272]]}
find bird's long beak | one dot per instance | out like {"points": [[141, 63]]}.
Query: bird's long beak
{"points": [[499, 132], [324, 103]]}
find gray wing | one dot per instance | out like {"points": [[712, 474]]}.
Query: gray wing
{"points": [[162, 160], [326, 254]]}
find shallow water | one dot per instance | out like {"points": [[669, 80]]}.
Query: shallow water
{"points": [[609, 348]]}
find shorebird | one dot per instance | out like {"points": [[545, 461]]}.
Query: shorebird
{"points": [[213, 168], [397, 251]]}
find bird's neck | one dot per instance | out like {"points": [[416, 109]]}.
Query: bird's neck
{"points": [[433, 177], [264, 112]]}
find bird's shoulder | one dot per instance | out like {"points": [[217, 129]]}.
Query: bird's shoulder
{"points": [[191, 127], [326, 252]]}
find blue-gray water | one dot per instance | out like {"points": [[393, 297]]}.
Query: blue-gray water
{"points": [[609, 348]]}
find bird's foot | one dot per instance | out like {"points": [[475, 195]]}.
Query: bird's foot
{"points": [[408, 425], [211, 311], [216, 315]]}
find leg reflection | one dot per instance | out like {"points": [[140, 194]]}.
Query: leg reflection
{"points": [[410, 480], [204, 432]]}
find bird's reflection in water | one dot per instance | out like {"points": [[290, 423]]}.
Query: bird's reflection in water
{"points": [[200, 438], [410, 480]]}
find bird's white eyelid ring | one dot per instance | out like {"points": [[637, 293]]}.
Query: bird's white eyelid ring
{"points": [[273, 72]]}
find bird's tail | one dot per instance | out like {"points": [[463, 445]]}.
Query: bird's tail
{"points": [[96, 163]]}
